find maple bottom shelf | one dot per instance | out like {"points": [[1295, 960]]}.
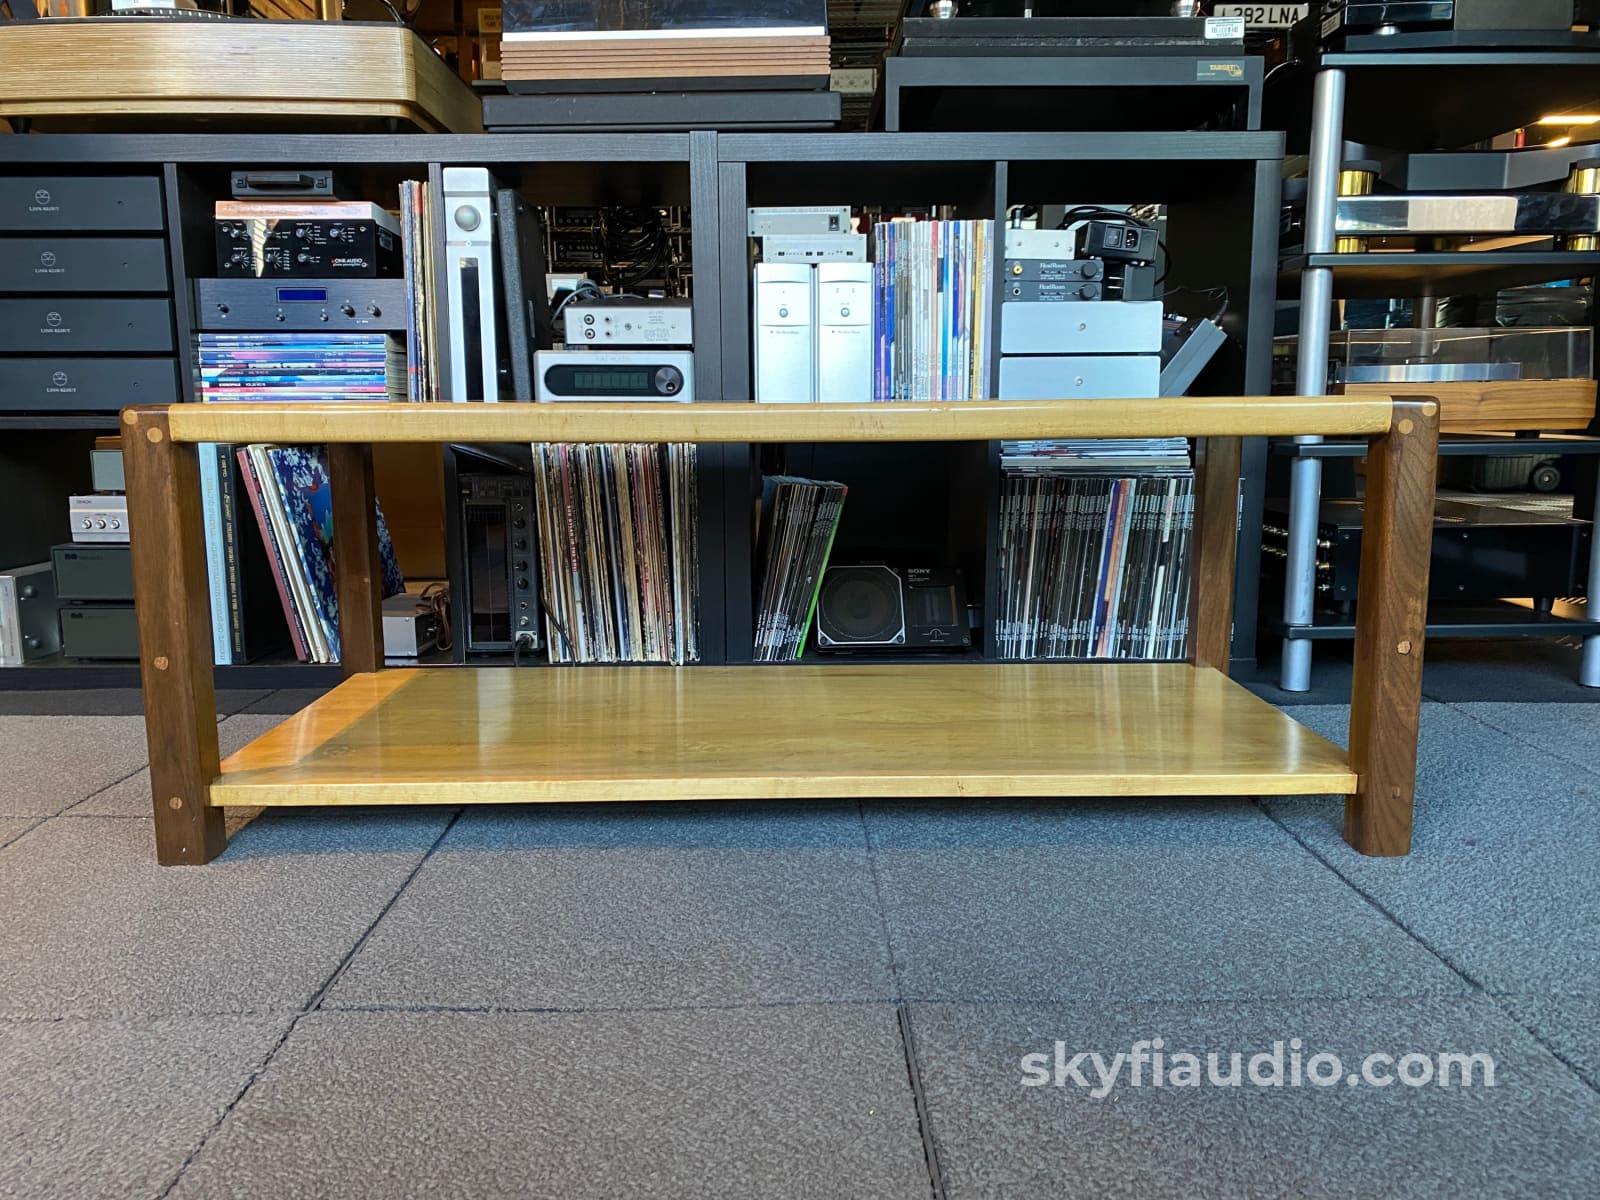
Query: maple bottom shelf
{"points": [[464, 735]]}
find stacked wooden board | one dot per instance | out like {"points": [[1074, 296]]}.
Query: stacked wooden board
{"points": [[664, 54], [100, 72]]}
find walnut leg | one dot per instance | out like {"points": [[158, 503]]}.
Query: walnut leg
{"points": [[1216, 523], [358, 571], [1391, 618], [175, 651]]}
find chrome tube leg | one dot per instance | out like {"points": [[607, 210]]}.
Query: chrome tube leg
{"points": [[1311, 375]]}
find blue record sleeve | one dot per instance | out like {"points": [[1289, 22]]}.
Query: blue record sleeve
{"points": [[302, 477]]}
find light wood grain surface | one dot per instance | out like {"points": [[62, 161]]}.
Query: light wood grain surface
{"points": [[1192, 416], [1507, 404], [464, 735], [211, 68]]}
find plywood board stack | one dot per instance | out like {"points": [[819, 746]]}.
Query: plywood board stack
{"points": [[587, 43], [661, 55]]}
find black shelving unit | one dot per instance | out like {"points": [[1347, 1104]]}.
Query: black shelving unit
{"points": [[1221, 189]]}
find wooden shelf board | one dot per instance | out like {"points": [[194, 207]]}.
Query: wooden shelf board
{"points": [[704, 733], [111, 67], [1192, 416], [1467, 407]]}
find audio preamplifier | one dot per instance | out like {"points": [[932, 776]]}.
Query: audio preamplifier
{"points": [[265, 304]]}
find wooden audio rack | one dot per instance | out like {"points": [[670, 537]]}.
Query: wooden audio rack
{"points": [[454, 735]]}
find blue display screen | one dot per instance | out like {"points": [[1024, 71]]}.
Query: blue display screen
{"points": [[317, 295]]}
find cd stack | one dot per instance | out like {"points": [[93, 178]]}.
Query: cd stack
{"points": [[616, 524], [799, 518], [302, 366], [934, 283], [1094, 549]]}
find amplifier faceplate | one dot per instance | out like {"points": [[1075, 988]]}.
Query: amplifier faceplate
{"points": [[71, 325], [63, 384], [301, 304], [45, 204], [666, 375], [80, 264]]}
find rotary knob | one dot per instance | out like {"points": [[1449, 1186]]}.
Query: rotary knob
{"points": [[348, 309], [468, 218], [669, 381]]}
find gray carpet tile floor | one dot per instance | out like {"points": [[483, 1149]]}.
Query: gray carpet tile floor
{"points": [[794, 1101], [822, 999], [1531, 1134], [113, 1108], [1568, 1025], [130, 797]]}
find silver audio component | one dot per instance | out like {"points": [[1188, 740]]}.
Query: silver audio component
{"points": [[1041, 243], [469, 284], [1520, 212], [98, 518], [1080, 377], [611, 375], [1080, 327], [785, 359], [829, 247], [821, 218], [844, 342], [629, 321], [28, 625]]}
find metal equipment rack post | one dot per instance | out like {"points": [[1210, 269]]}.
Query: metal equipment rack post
{"points": [[1420, 109]]}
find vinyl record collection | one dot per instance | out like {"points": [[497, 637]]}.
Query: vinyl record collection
{"points": [[933, 284], [289, 491], [422, 350], [619, 557], [1094, 549], [799, 518], [247, 621], [301, 366]]}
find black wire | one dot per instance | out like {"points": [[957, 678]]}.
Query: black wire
{"points": [[636, 236], [1089, 212]]}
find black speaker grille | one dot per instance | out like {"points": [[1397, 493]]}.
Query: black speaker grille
{"points": [[861, 606]]}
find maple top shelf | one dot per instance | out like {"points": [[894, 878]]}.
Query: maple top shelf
{"points": [[946, 421]]}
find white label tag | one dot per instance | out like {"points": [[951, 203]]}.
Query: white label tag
{"points": [[1264, 16], [1224, 29]]}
